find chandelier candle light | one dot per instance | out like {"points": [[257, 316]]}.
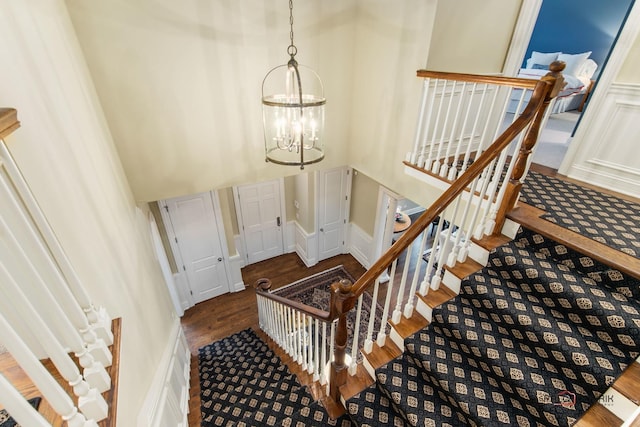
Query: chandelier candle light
{"points": [[293, 119]]}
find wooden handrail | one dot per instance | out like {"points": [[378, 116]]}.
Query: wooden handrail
{"points": [[344, 295], [8, 121]]}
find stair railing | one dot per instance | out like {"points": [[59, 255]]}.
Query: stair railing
{"points": [[477, 196]]}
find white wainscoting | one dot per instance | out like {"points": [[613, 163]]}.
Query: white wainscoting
{"points": [[236, 262], [290, 237], [604, 151], [167, 402], [306, 246], [360, 245]]}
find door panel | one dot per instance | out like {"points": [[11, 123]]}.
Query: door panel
{"points": [[261, 219], [198, 240], [333, 208]]}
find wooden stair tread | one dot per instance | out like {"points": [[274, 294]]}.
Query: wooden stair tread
{"points": [[491, 242], [529, 216], [437, 297], [356, 383], [380, 356], [410, 325], [464, 269], [598, 416], [628, 384]]}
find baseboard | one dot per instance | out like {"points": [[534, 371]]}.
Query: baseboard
{"points": [[167, 401], [360, 245]]}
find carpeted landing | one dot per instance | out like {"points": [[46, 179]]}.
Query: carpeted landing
{"points": [[533, 340], [244, 383]]}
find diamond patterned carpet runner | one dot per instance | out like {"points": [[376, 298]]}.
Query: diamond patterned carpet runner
{"points": [[244, 383], [530, 341], [606, 219]]}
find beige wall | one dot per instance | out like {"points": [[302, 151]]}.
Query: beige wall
{"points": [[364, 201], [229, 218], [68, 158], [180, 84], [472, 36]]}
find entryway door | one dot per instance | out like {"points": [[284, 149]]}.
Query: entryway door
{"points": [[334, 194], [260, 219], [195, 235]]}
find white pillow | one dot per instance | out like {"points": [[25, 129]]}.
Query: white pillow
{"points": [[574, 62], [543, 58]]}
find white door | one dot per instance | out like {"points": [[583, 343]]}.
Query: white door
{"points": [[333, 211], [260, 218], [197, 238]]}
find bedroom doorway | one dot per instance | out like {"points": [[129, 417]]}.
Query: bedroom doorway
{"points": [[543, 27]]}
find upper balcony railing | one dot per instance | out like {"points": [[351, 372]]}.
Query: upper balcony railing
{"points": [[474, 134]]}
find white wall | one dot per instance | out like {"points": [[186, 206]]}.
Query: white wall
{"points": [[67, 156]]}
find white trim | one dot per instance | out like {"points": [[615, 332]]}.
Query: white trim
{"points": [[306, 245], [161, 257], [521, 36], [236, 262], [221, 236], [593, 115], [164, 396]]}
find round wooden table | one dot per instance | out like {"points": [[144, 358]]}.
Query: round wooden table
{"points": [[401, 223]]}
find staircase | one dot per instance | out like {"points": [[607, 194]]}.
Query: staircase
{"points": [[538, 333]]}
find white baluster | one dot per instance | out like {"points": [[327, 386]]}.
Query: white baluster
{"points": [[331, 349], [435, 167], [311, 347], [419, 128], [62, 305], [397, 313], [302, 331], [382, 333], [453, 172], [90, 401], [48, 386], [409, 306], [323, 360], [356, 336], [431, 141], [98, 319], [19, 409], [471, 147], [444, 170], [368, 342], [291, 337], [316, 358]]}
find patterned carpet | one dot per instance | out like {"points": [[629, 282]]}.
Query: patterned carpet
{"points": [[243, 383], [314, 291], [606, 219], [529, 342]]}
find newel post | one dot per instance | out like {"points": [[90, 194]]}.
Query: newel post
{"points": [[343, 302], [513, 186]]}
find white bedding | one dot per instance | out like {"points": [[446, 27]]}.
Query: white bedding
{"points": [[576, 84]]}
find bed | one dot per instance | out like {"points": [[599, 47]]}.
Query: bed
{"points": [[578, 75]]}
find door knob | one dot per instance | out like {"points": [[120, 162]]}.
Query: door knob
{"points": [[219, 258], [322, 229]]}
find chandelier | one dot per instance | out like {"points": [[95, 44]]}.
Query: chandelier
{"points": [[293, 115]]}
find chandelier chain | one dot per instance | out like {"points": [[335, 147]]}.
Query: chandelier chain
{"points": [[292, 49]]}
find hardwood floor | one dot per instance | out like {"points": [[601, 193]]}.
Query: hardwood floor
{"points": [[219, 317]]}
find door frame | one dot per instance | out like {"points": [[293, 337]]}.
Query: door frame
{"points": [[383, 229], [176, 250], [347, 209], [238, 209], [619, 51]]}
